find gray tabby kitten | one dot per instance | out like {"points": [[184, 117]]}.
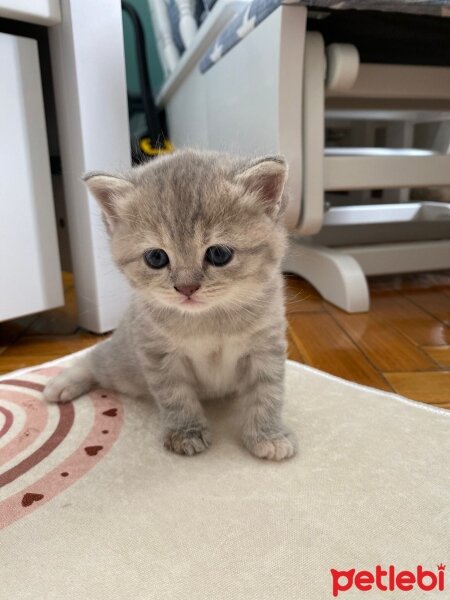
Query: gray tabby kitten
{"points": [[199, 236]]}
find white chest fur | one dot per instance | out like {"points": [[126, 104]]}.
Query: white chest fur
{"points": [[215, 362]]}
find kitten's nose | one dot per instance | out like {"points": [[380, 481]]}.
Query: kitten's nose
{"points": [[187, 290]]}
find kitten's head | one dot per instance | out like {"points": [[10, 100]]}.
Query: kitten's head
{"points": [[196, 230]]}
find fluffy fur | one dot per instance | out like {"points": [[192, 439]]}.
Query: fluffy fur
{"points": [[228, 338]]}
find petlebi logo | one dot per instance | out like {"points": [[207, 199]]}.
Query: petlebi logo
{"points": [[388, 580]]}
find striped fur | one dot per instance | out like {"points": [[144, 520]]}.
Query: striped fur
{"points": [[230, 342]]}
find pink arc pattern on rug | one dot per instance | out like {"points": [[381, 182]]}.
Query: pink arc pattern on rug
{"points": [[99, 439], [7, 422]]}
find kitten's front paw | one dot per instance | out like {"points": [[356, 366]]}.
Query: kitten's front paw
{"points": [[187, 441], [68, 385], [277, 447]]}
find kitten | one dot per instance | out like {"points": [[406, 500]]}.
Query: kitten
{"points": [[199, 236]]}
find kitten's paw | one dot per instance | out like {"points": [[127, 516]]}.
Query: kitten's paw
{"points": [[277, 447], [68, 385], [187, 441]]}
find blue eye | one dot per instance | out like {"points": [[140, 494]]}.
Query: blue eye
{"points": [[156, 258], [218, 256]]}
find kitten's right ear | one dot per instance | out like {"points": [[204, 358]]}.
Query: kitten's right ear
{"points": [[265, 179], [110, 192]]}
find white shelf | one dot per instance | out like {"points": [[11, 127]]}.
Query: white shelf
{"points": [[415, 116], [376, 172], [374, 152], [411, 212]]}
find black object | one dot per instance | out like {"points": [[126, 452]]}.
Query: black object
{"points": [[156, 130], [389, 38]]}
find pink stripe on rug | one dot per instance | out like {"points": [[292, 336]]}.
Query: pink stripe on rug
{"points": [[48, 371], [36, 420], [32, 385], [8, 420]]}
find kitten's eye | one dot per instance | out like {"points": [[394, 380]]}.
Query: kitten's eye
{"points": [[156, 258], [218, 256]]}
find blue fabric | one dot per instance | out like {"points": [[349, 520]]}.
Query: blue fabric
{"points": [[174, 18], [241, 25], [246, 19]]}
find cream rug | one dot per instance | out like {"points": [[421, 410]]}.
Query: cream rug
{"points": [[93, 508]]}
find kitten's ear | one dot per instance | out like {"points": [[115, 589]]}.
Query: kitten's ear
{"points": [[110, 192], [266, 178]]}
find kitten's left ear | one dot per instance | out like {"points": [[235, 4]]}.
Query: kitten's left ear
{"points": [[266, 178]]}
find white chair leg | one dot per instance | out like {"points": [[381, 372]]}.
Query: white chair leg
{"points": [[168, 52], [337, 276], [187, 25]]}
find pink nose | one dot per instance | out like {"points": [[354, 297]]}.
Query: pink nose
{"points": [[187, 290]]}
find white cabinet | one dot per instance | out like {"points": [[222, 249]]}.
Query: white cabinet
{"points": [[30, 274], [88, 69], [41, 12]]}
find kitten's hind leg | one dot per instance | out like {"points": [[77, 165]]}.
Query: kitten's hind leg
{"points": [[70, 384]]}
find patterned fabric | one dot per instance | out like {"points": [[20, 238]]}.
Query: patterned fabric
{"points": [[44, 449], [204, 9], [49, 447], [243, 23], [92, 507], [174, 18], [249, 17]]}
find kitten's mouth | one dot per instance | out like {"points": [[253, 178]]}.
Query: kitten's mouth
{"points": [[185, 304], [192, 302]]}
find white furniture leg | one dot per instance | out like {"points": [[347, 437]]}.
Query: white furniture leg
{"points": [[313, 135], [340, 274], [411, 257], [168, 52], [187, 24], [90, 91], [30, 271], [337, 276]]}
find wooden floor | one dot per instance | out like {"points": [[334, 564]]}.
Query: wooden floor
{"points": [[402, 344]]}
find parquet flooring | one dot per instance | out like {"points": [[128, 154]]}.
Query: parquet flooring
{"points": [[401, 345]]}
